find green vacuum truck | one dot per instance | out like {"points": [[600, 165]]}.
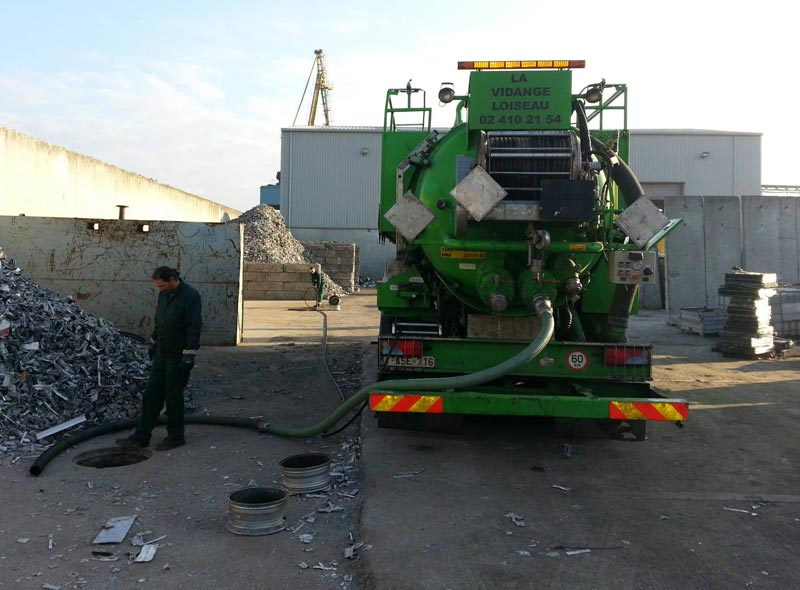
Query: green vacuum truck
{"points": [[522, 238]]}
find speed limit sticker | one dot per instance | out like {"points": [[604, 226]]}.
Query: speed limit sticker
{"points": [[577, 360]]}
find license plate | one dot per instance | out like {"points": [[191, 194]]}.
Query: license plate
{"points": [[411, 361]]}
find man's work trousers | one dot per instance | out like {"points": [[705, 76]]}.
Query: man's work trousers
{"points": [[165, 386]]}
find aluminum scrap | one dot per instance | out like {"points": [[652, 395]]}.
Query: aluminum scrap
{"points": [[267, 239], [53, 355]]}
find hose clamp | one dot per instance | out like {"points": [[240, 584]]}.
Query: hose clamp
{"points": [[541, 304]]}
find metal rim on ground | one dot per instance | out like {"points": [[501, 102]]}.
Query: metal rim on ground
{"points": [[307, 472], [256, 511]]}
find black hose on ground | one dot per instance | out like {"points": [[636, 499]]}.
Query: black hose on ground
{"points": [[38, 466]]}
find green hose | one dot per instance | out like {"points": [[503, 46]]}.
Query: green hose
{"points": [[541, 305], [42, 460], [545, 313]]}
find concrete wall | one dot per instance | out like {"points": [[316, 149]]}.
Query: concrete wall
{"points": [[278, 282], [39, 179], [339, 261], [106, 265], [756, 233], [373, 256]]}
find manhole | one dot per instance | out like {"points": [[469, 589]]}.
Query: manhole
{"points": [[112, 457], [256, 511], [309, 472]]}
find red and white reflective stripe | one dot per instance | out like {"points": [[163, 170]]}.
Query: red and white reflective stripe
{"points": [[426, 404], [673, 411]]}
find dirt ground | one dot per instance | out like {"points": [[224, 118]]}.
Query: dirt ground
{"points": [[503, 504]]}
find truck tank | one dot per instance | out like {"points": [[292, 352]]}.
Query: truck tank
{"points": [[526, 199]]}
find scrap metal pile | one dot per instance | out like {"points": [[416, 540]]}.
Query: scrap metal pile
{"points": [[59, 363], [267, 239]]}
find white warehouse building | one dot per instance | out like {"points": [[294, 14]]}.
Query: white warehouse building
{"points": [[330, 178]]}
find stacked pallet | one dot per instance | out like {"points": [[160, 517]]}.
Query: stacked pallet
{"points": [[702, 320], [748, 331]]}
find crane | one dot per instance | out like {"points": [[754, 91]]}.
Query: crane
{"points": [[321, 88]]}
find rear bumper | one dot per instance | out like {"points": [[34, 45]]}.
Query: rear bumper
{"points": [[514, 404]]}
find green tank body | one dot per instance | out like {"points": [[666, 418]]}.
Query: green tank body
{"points": [[526, 198]]}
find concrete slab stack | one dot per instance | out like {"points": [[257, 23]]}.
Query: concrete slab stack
{"points": [[748, 331]]}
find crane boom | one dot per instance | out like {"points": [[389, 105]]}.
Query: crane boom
{"points": [[320, 93]]}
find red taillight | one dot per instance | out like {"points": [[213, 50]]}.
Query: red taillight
{"points": [[624, 355], [391, 347]]}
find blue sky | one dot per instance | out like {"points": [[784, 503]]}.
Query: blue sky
{"points": [[195, 94]]}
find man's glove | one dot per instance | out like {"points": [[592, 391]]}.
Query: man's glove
{"points": [[187, 361]]}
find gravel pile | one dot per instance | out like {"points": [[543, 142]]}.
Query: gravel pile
{"points": [[267, 239], [59, 362]]}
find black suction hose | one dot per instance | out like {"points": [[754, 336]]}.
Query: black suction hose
{"points": [[583, 128], [616, 327]]}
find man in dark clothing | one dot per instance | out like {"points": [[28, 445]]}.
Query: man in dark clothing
{"points": [[175, 341]]}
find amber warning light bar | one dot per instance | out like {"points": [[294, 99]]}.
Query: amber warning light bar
{"points": [[540, 64]]}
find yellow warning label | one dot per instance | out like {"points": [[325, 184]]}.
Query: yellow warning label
{"points": [[577, 247], [468, 254]]}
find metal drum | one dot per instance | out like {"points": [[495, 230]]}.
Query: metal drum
{"points": [[256, 511], [309, 472]]}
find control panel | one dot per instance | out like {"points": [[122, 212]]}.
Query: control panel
{"points": [[632, 268]]}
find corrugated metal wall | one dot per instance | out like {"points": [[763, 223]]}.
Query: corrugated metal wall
{"points": [[330, 178], [707, 163]]}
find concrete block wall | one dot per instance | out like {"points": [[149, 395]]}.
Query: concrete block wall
{"points": [[277, 281], [338, 260]]}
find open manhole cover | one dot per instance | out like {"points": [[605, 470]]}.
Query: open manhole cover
{"points": [[112, 457]]}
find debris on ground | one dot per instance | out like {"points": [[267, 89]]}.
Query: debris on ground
{"points": [[59, 363], [147, 553], [115, 530], [267, 239], [516, 519]]}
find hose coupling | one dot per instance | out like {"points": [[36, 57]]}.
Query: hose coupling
{"points": [[541, 304], [574, 288]]}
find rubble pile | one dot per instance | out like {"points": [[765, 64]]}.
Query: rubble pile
{"points": [[59, 363], [267, 239]]}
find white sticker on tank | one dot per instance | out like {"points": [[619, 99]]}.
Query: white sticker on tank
{"points": [[466, 266], [393, 287], [577, 360], [415, 280]]}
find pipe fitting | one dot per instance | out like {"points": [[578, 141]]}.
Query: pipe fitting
{"points": [[573, 288], [498, 302], [541, 304]]}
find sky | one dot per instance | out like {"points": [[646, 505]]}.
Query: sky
{"points": [[194, 95]]}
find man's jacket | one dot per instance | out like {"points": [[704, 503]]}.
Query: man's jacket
{"points": [[178, 321]]}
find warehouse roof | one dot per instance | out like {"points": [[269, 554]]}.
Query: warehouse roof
{"points": [[689, 132]]}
